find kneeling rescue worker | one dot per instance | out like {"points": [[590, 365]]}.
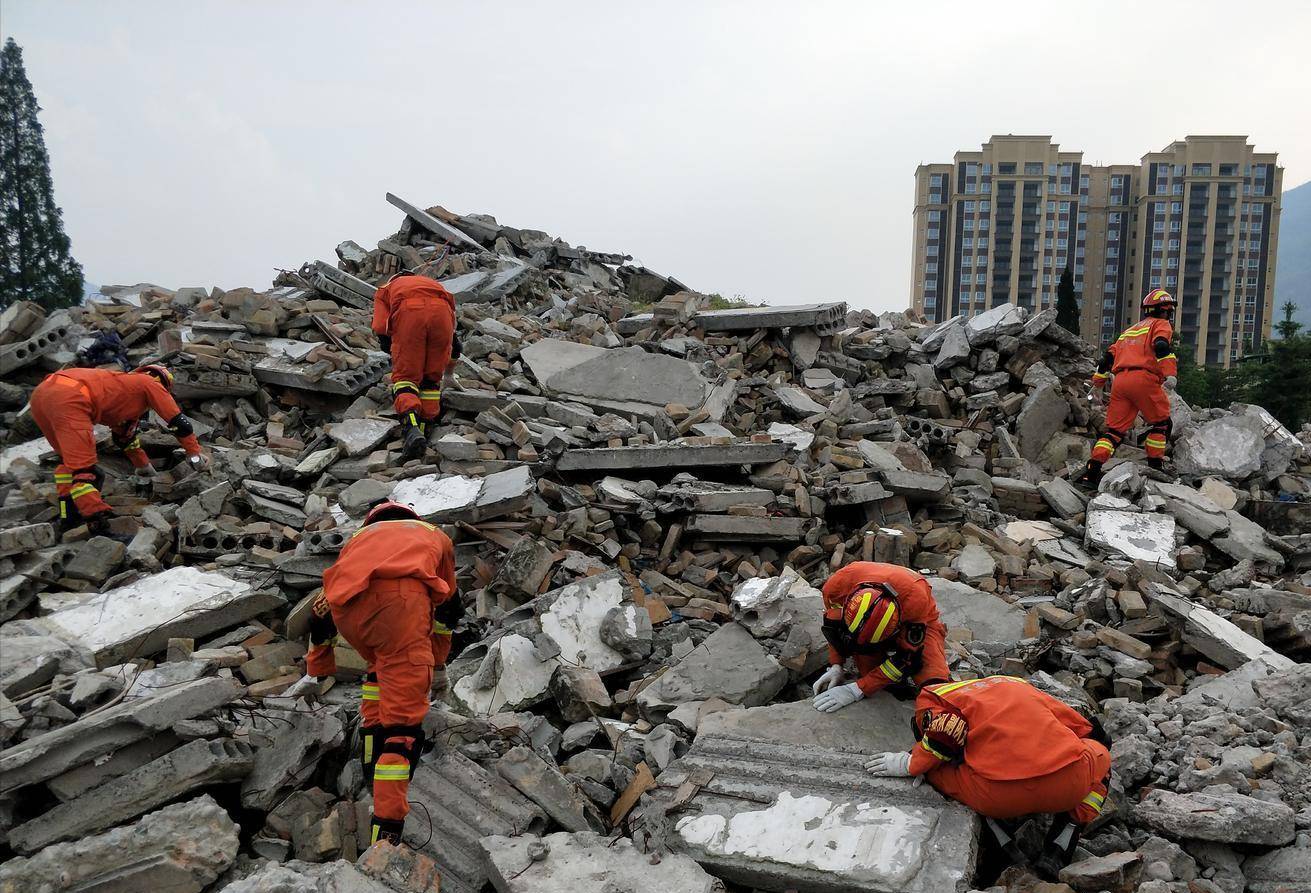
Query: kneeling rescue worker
{"points": [[1145, 367], [414, 319], [392, 595], [1005, 749], [67, 405], [885, 617]]}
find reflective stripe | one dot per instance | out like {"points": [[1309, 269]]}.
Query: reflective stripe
{"points": [[889, 669], [888, 615], [133, 444], [430, 395], [924, 743], [82, 490], [1103, 442], [396, 385], [949, 687], [865, 599], [1156, 442], [368, 748], [391, 772], [1095, 800], [1169, 356], [373, 838], [440, 629], [1100, 376], [369, 692], [63, 479]]}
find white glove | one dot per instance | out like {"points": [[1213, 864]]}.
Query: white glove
{"points": [[832, 676], [306, 686], [1171, 382], [836, 698], [889, 765], [1097, 397]]}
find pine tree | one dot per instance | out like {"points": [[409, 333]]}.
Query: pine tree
{"points": [[1067, 308], [1288, 327], [35, 263]]}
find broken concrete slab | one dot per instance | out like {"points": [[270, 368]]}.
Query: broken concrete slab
{"points": [[1224, 818], [468, 803], [551, 356], [986, 327], [671, 456], [1235, 691], [869, 726], [26, 538], [1135, 535], [550, 789], [813, 820], [1246, 540], [826, 319], [955, 349], [920, 486], [691, 495], [438, 228], [747, 528], [1230, 446], [28, 662], [182, 848], [193, 765], [288, 746], [137, 620], [797, 402], [512, 676], [572, 863], [1208, 632], [730, 665], [1041, 416], [989, 618], [630, 373], [1064, 499], [359, 437], [443, 498], [974, 563], [1197, 513], [572, 617], [104, 732]]}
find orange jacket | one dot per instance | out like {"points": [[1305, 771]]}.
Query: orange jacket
{"points": [[1014, 731], [1145, 345], [389, 550], [915, 600], [391, 296], [119, 400]]}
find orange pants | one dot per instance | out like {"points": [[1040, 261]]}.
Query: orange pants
{"points": [[61, 408], [421, 330], [1135, 392], [390, 625], [1079, 788]]}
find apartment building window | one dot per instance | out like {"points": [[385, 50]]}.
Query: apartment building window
{"points": [[969, 207], [1171, 281], [1251, 282], [933, 233], [930, 302], [967, 242], [1047, 243], [1201, 170], [1173, 263], [1158, 226], [935, 216], [931, 267], [968, 224], [1174, 244], [1228, 170], [971, 169], [931, 250], [983, 224], [1178, 170], [935, 198], [1178, 189], [1108, 303], [1113, 251], [1176, 207], [1254, 263], [971, 188], [1112, 269], [1176, 226], [1158, 244], [985, 206], [1254, 244], [1113, 217], [966, 261], [1108, 322], [935, 180], [931, 284], [1032, 167], [1156, 263], [981, 278], [1062, 243], [1155, 282]]}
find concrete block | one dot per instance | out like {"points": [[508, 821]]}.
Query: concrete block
{"points": [[359, 437], [730, 665], [1227, 818], [1208, 632], [746, 528], [288, 745], [512, 676], [826, 319], [438, 228], [59, 750], [26, 538], [666, 456], [193, 765], [548, 787], [989, 618], [182, 848], [1041, 416], [1135, 535]]}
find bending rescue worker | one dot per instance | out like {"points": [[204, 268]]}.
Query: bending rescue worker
{"points": [[67, 406], [392, 595], [885, 617]]}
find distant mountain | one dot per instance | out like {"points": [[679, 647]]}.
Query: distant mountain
{"points": [[1293, 266]]}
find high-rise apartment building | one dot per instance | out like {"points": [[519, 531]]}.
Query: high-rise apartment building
{"points": [[1200, 219]]}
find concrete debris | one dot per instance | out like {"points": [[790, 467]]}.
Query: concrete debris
{"points": [[645, 495], [568, 863]]}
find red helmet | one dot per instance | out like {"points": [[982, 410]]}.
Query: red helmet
{"points": [[159, 373], [391, 511], [870, 615], [1158, 297]]}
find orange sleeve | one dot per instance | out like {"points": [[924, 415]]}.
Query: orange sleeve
{"points": [[924, 759], [159, 399], [1168, 364], [381, 311]]}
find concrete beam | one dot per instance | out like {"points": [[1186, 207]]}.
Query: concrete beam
{"points": [[671, 456]]}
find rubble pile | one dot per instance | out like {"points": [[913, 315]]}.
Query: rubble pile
{"points": [[645, 489]]}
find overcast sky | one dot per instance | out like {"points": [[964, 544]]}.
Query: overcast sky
{"points": [[754, 149]]}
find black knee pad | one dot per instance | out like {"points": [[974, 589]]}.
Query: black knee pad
{"points": [[393, 741]]}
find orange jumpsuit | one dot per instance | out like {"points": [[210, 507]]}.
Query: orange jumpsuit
{"points": [[382, 592], [920, 643], [1024, 751], [68, 404], [418, 315], [1141, 359]]}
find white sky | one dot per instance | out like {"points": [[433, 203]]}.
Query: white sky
{"points": [[757, 149]]}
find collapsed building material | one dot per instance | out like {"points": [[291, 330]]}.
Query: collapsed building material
{"points": [[667, 457], [568, 863]]}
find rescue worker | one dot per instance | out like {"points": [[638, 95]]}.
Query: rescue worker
{"points": [[1005, 749], [1144, 365], [885, 617], [392, 594], [67, 405], [414, 319]]}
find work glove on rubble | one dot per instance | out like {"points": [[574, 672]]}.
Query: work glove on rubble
{"points": [[836, 698], [889, 765], [305, 687], [831, 677]]}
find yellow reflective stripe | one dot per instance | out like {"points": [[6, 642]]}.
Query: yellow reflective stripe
{"points": [[889, 669], [949, 687], [924, 743], [133, 444], [430, 395], [1100, 376], [1103, 442], [369, 693], [82, 490], [1169, 356], [63, 510], [440, 629], [1095, 800], [403, 384], [861, 611], [63, 479], [368, 748], [389, 772], [883, 624], [373, 838], [1156, 441]]}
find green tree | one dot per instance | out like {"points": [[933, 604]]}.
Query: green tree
{"points": [[1282, 383], [1067, 308], [35, 263], [1288, 327]]}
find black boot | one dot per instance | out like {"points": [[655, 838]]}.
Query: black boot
{"points": [[415, 442], [1156, 462], [389, 830], [1058, 848], [1092, 475]]}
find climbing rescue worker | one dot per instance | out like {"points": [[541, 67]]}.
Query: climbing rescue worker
{"points": [[1005, 750], [68, 404], [884, 616], [392, 595], [1144, 366], [414, 319]]}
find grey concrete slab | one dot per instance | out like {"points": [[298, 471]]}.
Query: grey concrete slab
{"points": [[574, 862], [987, 616], [671, 456], [430, 223]]}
